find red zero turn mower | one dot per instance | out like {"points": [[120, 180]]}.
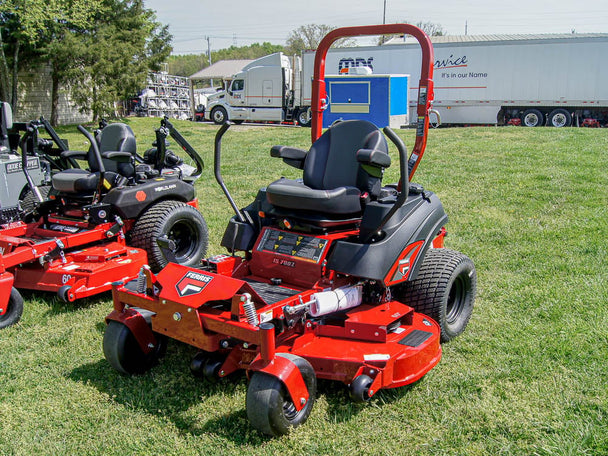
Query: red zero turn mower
{"points": [[104, 224], [341, 278]]}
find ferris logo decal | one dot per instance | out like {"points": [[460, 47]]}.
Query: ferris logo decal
{"points": [[192, 283]]}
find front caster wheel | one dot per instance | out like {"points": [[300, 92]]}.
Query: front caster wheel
{"points": [[206, 365], [124, 353], [269, 407], [359, 388], [14, 309]]}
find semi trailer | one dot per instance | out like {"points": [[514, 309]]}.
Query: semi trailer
{"points": [[531, 80]]}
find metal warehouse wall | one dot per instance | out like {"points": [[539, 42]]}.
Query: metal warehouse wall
{"points": [[35, 99]]}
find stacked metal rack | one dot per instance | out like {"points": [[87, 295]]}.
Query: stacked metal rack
{"points": [[166, 95]]}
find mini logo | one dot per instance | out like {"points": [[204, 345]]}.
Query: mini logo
{"points": [[192, 283]]}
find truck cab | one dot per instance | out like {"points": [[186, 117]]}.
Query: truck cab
{"points": [[267, 89]]}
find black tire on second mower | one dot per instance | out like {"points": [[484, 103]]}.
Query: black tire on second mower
{"points": [[181, 223], [14, 310], [124, 354], [270, 409], [444, 290]]}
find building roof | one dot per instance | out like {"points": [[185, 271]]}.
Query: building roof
{"points": [[220, 70], [499, 37]]}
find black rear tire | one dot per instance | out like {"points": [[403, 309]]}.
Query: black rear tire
{"points": [[269, 407], [444, 290], [178, 221], [14, 309], [124, 354]]}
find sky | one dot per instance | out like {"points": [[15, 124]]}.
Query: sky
{"points": [[243, 22]]}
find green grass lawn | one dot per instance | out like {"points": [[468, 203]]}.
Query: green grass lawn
{"points": [[528, 376]]}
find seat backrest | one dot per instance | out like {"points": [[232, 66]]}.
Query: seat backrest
{"points": [[6, 123], [115, 137], [331, 161]]}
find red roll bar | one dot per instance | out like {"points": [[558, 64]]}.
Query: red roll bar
{"points": [[425, 86]]}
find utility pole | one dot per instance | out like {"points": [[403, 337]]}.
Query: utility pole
{"points": [[208, 38], [382, 38], [384, 13]]}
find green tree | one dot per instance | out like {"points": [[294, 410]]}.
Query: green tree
{"points": [[116, 55], [186, 65], [25, 27], [308, 37], [101, 50]]}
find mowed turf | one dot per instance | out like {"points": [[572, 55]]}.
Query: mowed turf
{"points": [[528, 376]]}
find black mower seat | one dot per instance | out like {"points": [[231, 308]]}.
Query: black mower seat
{"points": [[341, 170], [116, 137], [75, 181]]}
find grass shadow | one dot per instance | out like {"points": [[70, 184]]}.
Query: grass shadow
{"points": [[55, 306], [170, 391]]}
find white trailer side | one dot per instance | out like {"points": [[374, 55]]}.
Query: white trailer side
{"points": [[491, 79]]}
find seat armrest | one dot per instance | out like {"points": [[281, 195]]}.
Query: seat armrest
{"points": [[290, 155], [119, 156], [374, 157], [78, 154]]}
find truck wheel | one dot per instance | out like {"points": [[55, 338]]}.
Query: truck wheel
{"points": [[181, 223], [269, 407], [304, 117], [444, 290], [532, 118], [559, 118], [124, 354], [14, 309], [219, 115]]}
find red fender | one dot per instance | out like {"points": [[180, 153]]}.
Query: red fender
{"points": [[137, 325], [6, 283], [289, 374]]}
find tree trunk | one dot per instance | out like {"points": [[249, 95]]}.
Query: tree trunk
{"points": [[54, 100], [15, 95]]}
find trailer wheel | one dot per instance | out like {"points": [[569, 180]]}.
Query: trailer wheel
{"points": [[270, 409], [532, 118], [219, 115], [559, 118], [444, 290], [124, 354], [14, 309], [181, 223]]}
